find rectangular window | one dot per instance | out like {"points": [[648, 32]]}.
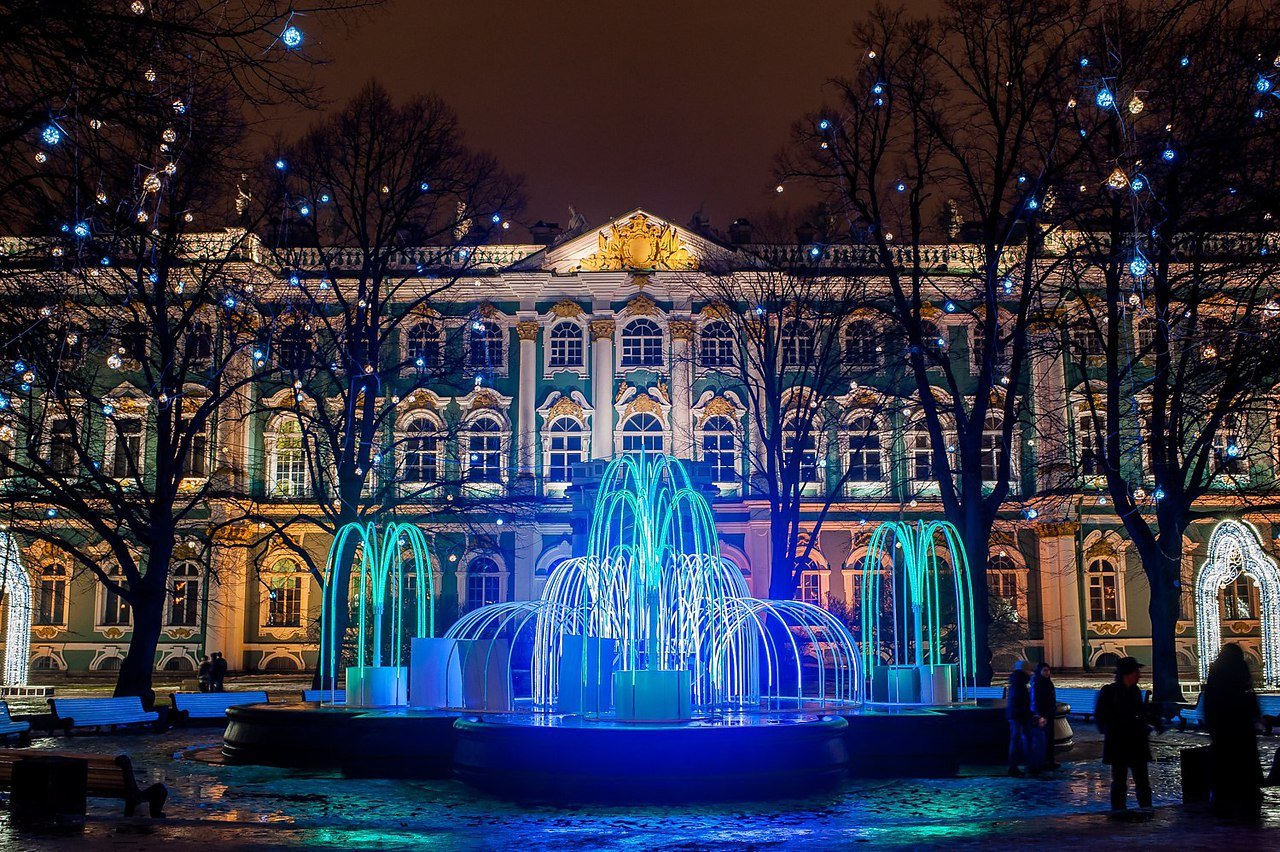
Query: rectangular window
{"points": [[115, 610], [718, 451], [566, 451], [482, 590], [864, 458], [1103, 602], [184, 606], [422, 459], [485, 458], [810, 590], [284, 603], [126, 461], [62, 446], [196, 464], [53, 600]]}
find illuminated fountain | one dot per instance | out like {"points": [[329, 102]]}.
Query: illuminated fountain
{"points": [[654, 624], [380, 595], [926, 650]]}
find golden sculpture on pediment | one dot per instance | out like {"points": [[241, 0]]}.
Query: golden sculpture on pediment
{"points": [[565, 407], [641, 306], [643, 404], [639, 244], [485, 399], [566, 308], [718, 406]]}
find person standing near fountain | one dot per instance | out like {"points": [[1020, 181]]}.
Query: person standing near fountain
{"points": [[1121, 715], [1017, 708], [1231, 714], [1044, 709]]}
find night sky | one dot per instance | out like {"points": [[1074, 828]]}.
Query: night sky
{"points": [[610, 106]]}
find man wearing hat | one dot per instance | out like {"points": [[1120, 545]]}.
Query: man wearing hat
{"points": [[1122, 720]]}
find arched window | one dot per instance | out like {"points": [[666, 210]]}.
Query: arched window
{"points": [[484, 345], [484, 449], [809, 587], [282, 594], [719, 448], [1240, 599], [800, 449], [566, 345], [422, 345], [716, 344], [420, 452], [862, 347], [642, 433], [52, 602], [865, 457], [1004, 586], [287, 461], [1104, 590], [797, 343], [919, 452], [184, 602], [45, 663], [109, 664], [293, 348], [484, 583], [994, 449], [1087, 428], [199, 342], [564, 448], [115, 609], [642, 344]]}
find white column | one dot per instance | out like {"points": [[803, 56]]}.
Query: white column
{"points": [[528, 332], [1060, 595], [225, 624], [602, 388], [681, 384], [1049, 402]]}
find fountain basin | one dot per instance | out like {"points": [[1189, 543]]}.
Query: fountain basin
{"points": [[568, 759]]}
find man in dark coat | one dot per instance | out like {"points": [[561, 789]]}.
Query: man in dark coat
{"points": [[1044, 709], [1017, 709], [1231, 714], [219, 671], [1122, 716]]}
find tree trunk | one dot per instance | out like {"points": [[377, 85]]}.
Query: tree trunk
{"points": [[147, 615], [1164, 571], [782, 577], [975, 535]]}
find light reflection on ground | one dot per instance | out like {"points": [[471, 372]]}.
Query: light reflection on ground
{"points": [[227, 807]]}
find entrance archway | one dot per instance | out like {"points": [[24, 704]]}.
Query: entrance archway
{"points": [[1236, 549]]}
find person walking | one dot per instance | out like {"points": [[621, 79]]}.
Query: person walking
{"points": [[205, 673], [1017, 709], [1044, 709], [218, 671], [1122, 715], [1231, 714]]}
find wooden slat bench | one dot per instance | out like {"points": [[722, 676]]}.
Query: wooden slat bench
{"points": [[329, 696], [10, 729], [109, 778], [111, 713], [189, 707]]}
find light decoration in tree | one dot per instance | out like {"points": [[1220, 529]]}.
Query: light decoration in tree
{"points": [[51, 135], [291, 37], [15, 587], [1235, 550]]}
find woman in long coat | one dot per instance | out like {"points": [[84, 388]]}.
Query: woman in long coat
{"points": [[1231, 714]]}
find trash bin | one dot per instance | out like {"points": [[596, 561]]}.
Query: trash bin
{"points": [[1197, 764], [49, 792]]}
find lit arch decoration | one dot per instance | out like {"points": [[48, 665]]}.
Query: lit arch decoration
{"points": [[15, 586], [911, 553], [1235, 549], [380, 569], [654, 593]]}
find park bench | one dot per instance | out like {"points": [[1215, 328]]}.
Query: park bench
{"points": [[10, 729], [329, 696], [1268, 705], [1082, 701], [111, 713], [982, 692], [109, 778], [189, 707]]}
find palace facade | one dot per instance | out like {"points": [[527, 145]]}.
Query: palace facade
{"points": [[585, 358]]}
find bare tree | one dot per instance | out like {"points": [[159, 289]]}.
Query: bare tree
{"points": [[1169, 303], [788, 336], [131, 350], [956, 128], [72, 66], [381, 209]]}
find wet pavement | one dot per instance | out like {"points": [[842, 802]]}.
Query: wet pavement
{"points": [[242, 807]]}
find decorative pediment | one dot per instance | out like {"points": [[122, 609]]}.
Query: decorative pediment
{"points": [[566, 308], [719, 406], [485, 399], [639, 242], [641, 306], [643, 404]]}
